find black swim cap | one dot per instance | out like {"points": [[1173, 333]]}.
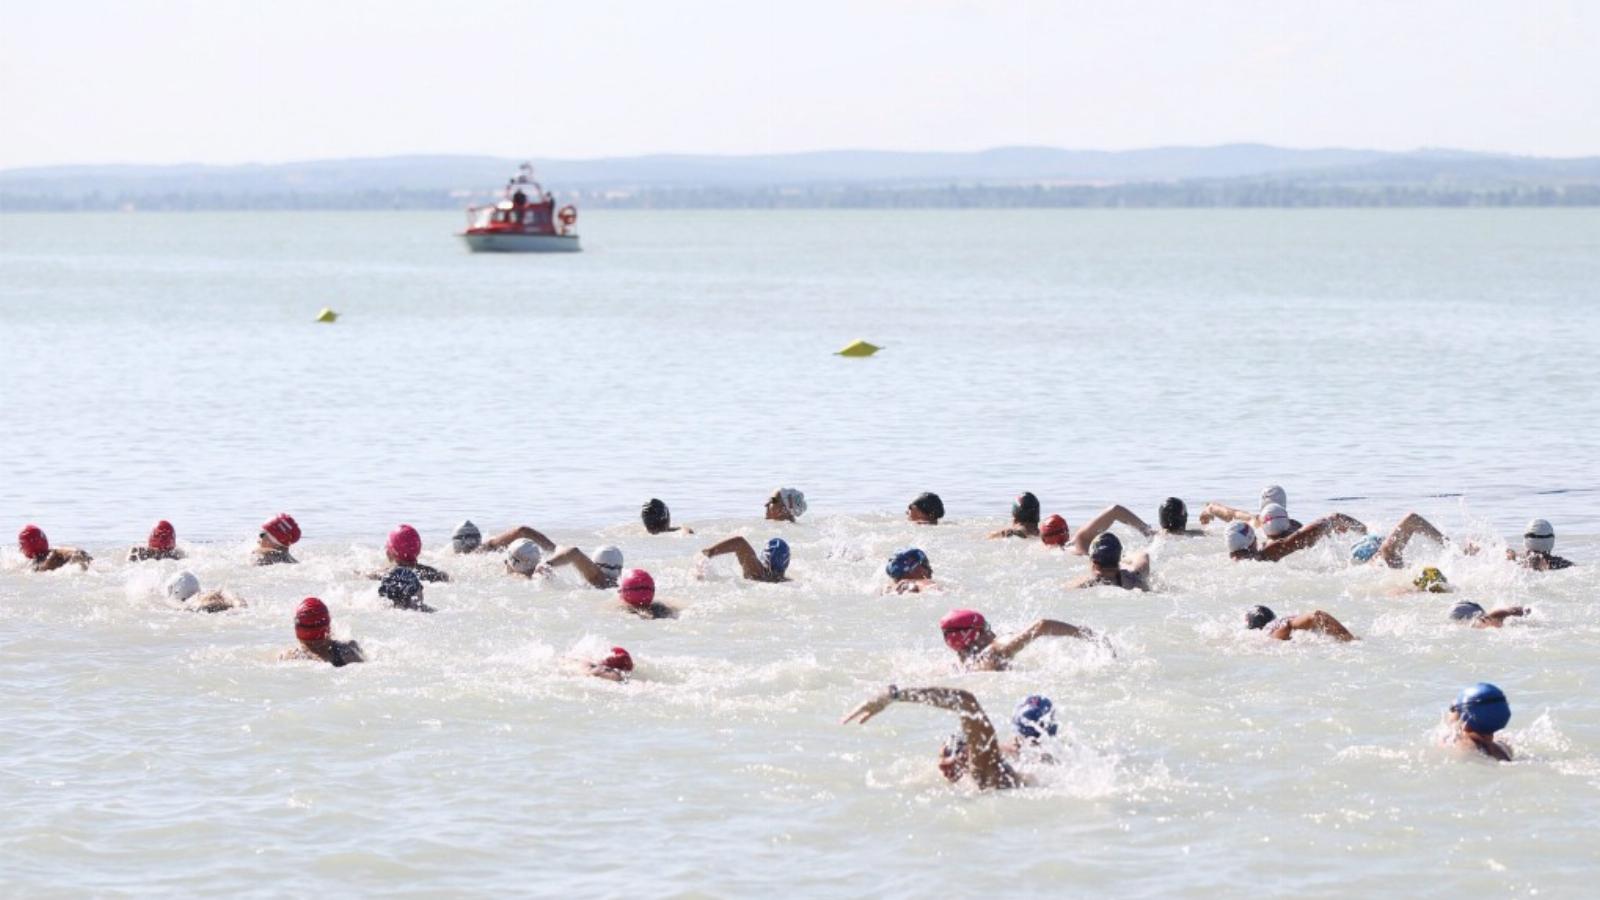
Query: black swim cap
{"points": [[1258, 617], [655, 515], [1106, 551], [1026, 509], [930, 505], [1174, 515], [1465, 611]]}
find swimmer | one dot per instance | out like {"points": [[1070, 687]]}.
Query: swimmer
{"points": [[1479, 712], [786, 505], [1431, 581], [402, 549], [967, 632], [910, 573], [1053, 532], [1539, 542], [311, 625], [1105, 566], [42, 557], [638, 595], [601, 571], [1262, 618], [522, 559], [616, 667], [1270, 494], [976, 751], [657, 518], [927, 509], [162, 544], [468, 539], [278, 534], [403, 589], [1242, 538], [1468, 612], [184, 589], [1100, 524], [1391, 549], [1174, 519], [1024, 518], [769, 565]]}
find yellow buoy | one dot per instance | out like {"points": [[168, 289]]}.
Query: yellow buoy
{"points": [[859, 348], [327, 315]]}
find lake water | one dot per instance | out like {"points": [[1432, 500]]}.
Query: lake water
{"points": [[1374, 362]]}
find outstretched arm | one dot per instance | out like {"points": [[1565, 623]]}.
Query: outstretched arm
{"points": [[1317, 621], [502, 541], [1310, 534], [1214, 510], [1498, 618], [1006, 648], [1009, 532], [574, 557], [1109, 516], [989, 766], [1393, 548], [738, 546]]}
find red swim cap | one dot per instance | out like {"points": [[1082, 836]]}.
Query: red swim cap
{"points": [[638, 589], [1054, 531], [619, 660], [405, 544], [163, 536], [961, 627], [283, 529], [32, 542], [311, 620]]}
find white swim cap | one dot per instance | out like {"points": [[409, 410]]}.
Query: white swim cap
{"points": [[466, 537], [1275, 520], [793, 500], [523, 556], [609, 560], [1272, 493], [182, 586], [1240, 537], [1539, 537]]}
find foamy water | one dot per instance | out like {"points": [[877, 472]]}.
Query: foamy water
{"points": [[165, 367]]}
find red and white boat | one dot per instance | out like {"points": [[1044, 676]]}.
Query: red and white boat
{"points": [[524, 220]]}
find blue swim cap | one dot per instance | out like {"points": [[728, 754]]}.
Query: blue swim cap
{"points": [[1106, 551], [1483, 708], [1366, 548], [1035, 717], [776, 556], [905, 562], [1465, 611]]}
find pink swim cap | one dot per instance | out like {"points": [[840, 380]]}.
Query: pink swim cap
{"points": [[283, 529], [961, 627], [162, 537], [32, 542], [637, 589], [619, 660], [1054, 531], [405, 544], [311, 620]]}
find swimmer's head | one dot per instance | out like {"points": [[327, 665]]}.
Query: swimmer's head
{"points": [[618, 661], [965, 629], [163, 538], [1275, 520], [1025, 509], [1106, 551], [909, 563], [401, 587], [1431, 580], [32, 542], [608, 560], [311, 620], [1366, 548], [953, 758], [1273, 493], [1465, 611], [776, 556], [1054, 531], [1035, 717], [655, 516], [1482, 708], [1258, 617], [927, 508], [182, 586], [522, 556], [466, 537], [1241, 537], [404, 546], [791, 501], [1174, 515], [637, 589], [1539, 537], [281, 530]]}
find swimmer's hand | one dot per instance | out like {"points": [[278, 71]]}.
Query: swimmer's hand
{"points": [[868, 709]]}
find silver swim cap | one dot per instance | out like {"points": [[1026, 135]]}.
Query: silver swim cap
{"points": [[1539, 537], [182, 586]]}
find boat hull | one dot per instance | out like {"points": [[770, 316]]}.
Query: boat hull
{"points": [[521, 243]]}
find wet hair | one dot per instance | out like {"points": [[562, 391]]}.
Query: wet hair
{"points": [[929, 505], [1258, 617], [655, 516], [1026, 509], [1174, 515]]}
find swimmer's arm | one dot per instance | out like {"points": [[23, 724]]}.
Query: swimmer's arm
{"points": [[1215, 510], [1010, 532], [1140, 567], [990, 769], [578, 560], [1109, 516], [1007, 648], [1319, 622], [1310, 534], [609, 674], [738, 546], [502, 541], [1498, 617], [1393, 546]]}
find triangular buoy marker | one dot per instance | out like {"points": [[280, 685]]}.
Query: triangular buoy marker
{"points": [[327, 315], [859, 348]]}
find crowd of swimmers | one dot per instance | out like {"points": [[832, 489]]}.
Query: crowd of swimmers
{"points": [[977, 751]]}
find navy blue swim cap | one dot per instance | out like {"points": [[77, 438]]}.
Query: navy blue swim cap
{"points": [[1026, 509], [1174, 515], [1106, 551], [401, 587], [1465, 611], [1483, 708], [1258, 617], [776, 556], [655, 515], [1035, 717], [905, 562]]}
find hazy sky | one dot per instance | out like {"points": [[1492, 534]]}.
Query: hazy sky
{"points": [[225, 81]]}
